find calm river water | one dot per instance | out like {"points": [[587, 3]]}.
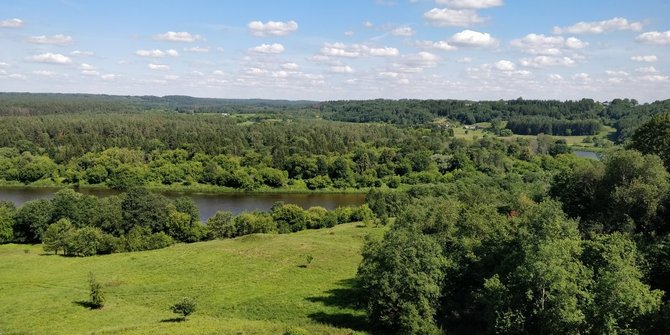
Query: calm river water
{"points": [[211, 203]]}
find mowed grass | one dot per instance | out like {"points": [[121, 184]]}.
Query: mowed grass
{"points": [[256, 284]]}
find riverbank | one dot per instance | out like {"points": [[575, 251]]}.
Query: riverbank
{"points": [[186, 189]]}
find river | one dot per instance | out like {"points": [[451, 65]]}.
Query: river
{"points": [[209, 204]]}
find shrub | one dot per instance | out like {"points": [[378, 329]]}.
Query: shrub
{"points": [[221, 225], [185, 307], [97, 295], [290, 217]]}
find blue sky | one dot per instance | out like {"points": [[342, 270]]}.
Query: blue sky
{"points": [[347, 49]]}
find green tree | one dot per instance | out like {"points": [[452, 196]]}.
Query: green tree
{"points": [[32, 220], [7, 217], [221, 225], [653, 137], [401, 277], [185, 307], [290, 218], [56, 236]]}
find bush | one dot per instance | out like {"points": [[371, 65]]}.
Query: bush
{"points": [[185, 307], [254, 223], [290, 218], [221, 225], [97, 295], [316, 217], [296, 331], [318, 182]]}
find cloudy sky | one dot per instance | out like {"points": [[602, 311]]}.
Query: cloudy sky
{"points": [[345, 49]]}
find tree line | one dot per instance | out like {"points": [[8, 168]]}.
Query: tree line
{"points": [[533, 125], [77, 224]]}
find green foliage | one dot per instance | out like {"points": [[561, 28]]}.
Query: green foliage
{"points": [[290, 218], [96, 293], [221, 225], [32, 220], [185, 307], [7, 214], [653, 137], [56, 236]]}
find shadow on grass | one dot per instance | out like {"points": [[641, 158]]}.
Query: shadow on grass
{"points": [[86, 304], [346, 297], [173, 320]]}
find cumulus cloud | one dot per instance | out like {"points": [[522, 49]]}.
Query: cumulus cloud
{"points": [[414, 63], [584, 77], [54, 39], [79, 53], [272, 28], [274, 48], [156, 53], [646, 69], [547, 45], [356, 50], [290, 66], [647, 59], [471, 4], [160, 67], [654, 37], [600, 27], [11, 23], [52, 58], [341, 69], [504, 65], [654, 78], [403, 31], [439, 45], [197, 49], [181, 36], [44, 73], [368, 24], [547, 61], [471, 38], [446, 17]]}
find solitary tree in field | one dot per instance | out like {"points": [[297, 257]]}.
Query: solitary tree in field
{"points": [[185, 306], [97, 294]]}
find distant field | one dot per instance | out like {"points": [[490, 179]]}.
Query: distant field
{"points": [[257, 284], [459, 132]]}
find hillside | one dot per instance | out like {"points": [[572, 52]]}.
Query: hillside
{"points": [[256, 284]]}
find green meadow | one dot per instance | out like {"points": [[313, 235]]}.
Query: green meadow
{"points": [[256, 284]]}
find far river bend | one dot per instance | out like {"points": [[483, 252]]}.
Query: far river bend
{"points": [[209, 204]]}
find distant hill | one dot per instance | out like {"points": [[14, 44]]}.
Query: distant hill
{"points": [[57, 103]]}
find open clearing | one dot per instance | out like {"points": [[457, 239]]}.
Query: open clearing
{"points": [[256, 284]]}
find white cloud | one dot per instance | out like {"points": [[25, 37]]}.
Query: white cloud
{"points": [[44, 73], [599, 27], [17, 76], [615, 73], [555, 77], [414, 63], [445, 17], [654, 37], [272, 28], [349, 33], [471, 4], [439, 45], [584, 77], [279, 74], [52, 58], [464, 60], [90, 73], [78, 53], [368, 24], [197, 49], [290, 66], [473, 38], [654, 78], [388, 74], [181, 36], [547, 45], [505, 65], [218, 73], [109, 76], [403, 31], [11, 23], [159, 67], [156, 53], [85, 66], [55, 39], [341, 69], [646, 69], [274, 48], [547, 61], [647, 59], [357, 50]]}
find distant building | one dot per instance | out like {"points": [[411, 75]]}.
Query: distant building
{"points": [[225, 114]]}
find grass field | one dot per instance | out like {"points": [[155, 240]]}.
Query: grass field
{"points": [[257, 284], [459, 132]]}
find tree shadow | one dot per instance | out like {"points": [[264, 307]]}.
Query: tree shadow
{"points": [[86, 304], [347, 296], [173, 320]]}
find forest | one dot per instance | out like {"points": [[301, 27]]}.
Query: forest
{"points": [[486, 235]]}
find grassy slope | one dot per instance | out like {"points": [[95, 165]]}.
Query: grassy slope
{"points": [[250, 285]]}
